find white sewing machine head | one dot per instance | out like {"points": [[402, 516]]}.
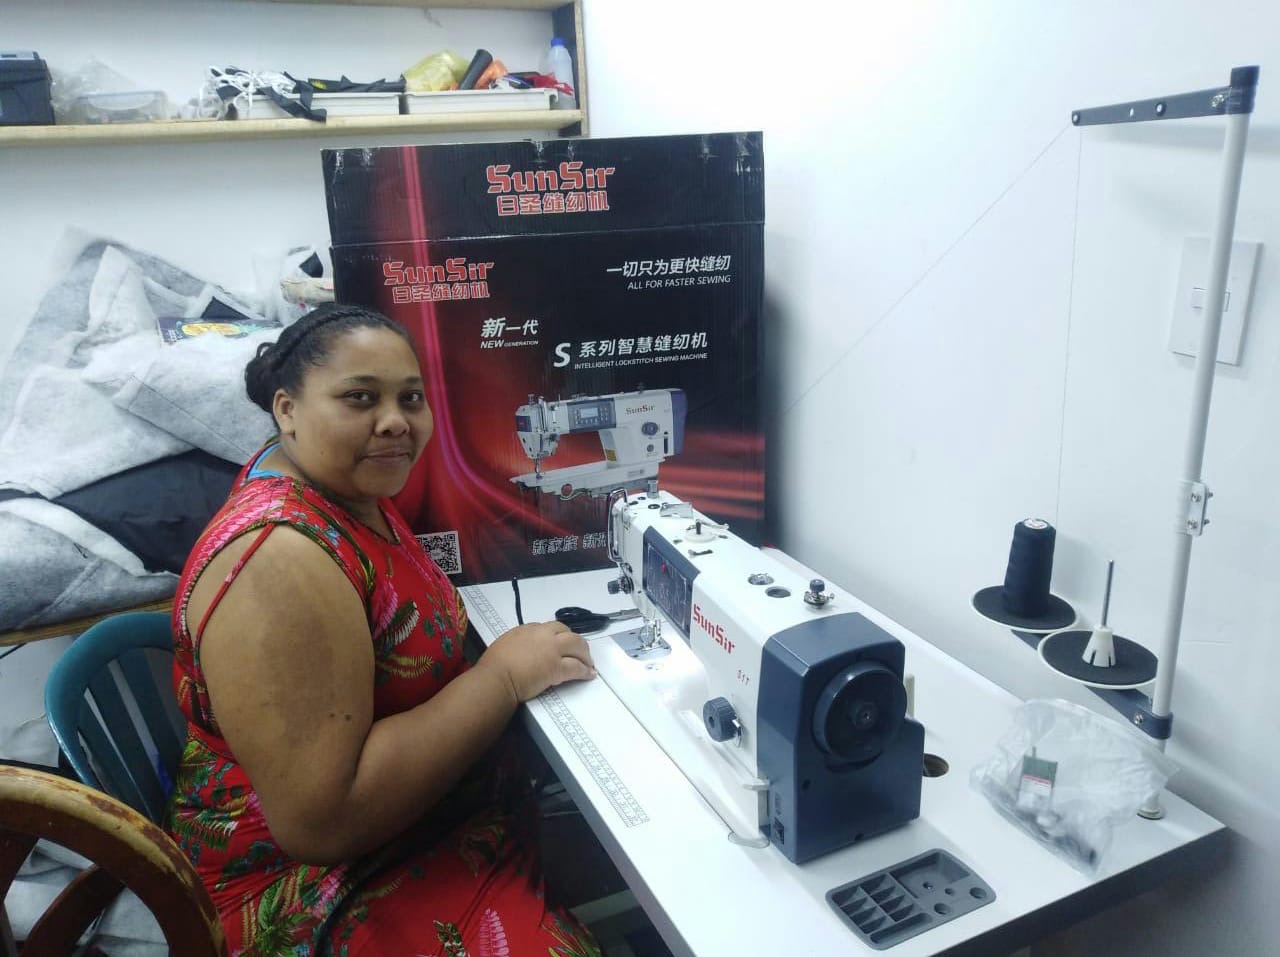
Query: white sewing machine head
{"points": [[637, 429], [786, 710]]}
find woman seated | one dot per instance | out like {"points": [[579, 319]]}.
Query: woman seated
{"points": [[331, 793]]}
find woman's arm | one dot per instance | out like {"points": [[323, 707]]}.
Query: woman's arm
{"points": [[288, 660]]}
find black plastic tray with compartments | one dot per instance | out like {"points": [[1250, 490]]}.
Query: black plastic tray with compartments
{"points": [[899, 902]]}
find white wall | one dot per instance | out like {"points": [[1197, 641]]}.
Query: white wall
{"points": [[969, 307]]}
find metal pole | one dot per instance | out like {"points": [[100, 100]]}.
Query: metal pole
{"points": [[1202, 392], [1106, 595]]}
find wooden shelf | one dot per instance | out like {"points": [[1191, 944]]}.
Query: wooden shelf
{"points": [[189, 131], [75, 626]]}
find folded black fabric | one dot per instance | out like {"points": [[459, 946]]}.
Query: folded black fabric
{"points": [[217, 309], [157, 510], [345, 85]]}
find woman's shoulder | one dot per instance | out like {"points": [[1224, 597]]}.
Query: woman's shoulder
{"points": [[276, 498], [282, 500]]}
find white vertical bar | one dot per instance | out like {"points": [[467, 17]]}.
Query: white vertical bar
{"points": [[1202, 392]]}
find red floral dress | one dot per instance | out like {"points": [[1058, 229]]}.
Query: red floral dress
{"points": [[461, 882]]}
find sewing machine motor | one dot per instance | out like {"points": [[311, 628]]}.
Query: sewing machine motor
{"points": [[842, 759]]}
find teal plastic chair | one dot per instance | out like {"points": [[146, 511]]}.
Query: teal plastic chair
{"points": [[115, 718]]}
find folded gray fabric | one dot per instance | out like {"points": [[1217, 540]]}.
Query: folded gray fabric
{"points": [[56, 329], [194, 389], [66, 568], [66, 434], [91, 390], [63, 433]]}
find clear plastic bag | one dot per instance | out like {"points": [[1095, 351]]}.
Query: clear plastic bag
{"points": [[95, 93], [1068, 776], [439, 71]]}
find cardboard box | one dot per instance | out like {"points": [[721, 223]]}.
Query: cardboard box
{"points": [[587, 314]]}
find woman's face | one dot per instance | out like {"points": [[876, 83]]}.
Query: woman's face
{"points": [[359, 421]]}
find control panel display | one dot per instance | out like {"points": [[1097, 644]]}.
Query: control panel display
{"points": [[591, 416], [668, 581]]}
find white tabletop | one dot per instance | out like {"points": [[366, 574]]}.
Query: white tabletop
{"points": [[710, 897]]}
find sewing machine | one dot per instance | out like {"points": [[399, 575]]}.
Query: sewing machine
{"points": [[637, 429], [785, 711]]}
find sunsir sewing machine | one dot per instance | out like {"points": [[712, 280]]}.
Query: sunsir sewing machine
{"points": [[785, 711], [637, 429]]}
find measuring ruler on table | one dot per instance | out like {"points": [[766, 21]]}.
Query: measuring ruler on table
{"points": [[597, 765]]}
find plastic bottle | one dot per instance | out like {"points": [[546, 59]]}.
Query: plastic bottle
{"points": [[556, 62]]}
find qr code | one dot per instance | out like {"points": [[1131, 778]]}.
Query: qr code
{"points": [[443, 549]]}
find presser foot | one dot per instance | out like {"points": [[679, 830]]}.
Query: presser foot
{"points": [[642, 646]]}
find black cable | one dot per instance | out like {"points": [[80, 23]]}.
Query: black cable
{"points": [[515, 587], [11, 651]]}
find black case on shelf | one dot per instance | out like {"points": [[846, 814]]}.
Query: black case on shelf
{"points": [[24, 90]]}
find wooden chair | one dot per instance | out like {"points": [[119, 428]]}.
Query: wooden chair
{"points": [[127, 850]]}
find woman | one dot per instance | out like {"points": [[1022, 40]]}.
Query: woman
{"points": [[331, 715]]}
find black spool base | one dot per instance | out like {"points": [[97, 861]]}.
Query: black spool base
{"points": [[989, 603], [1135, 665]]}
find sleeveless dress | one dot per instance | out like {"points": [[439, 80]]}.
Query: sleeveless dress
{"points": [[464, 881]]}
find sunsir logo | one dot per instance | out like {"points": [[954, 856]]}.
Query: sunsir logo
{"points": [[638, 409], [712, 629], [568, 176], [569, 188], [455, 278]]}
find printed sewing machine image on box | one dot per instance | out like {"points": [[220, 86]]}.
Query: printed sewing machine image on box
{"points": [[587, 316], [637, 429]]}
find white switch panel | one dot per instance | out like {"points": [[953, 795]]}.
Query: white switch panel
{"points": [[1188, 304]]}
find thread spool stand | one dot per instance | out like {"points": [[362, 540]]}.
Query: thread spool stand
{"points": [[1099, 658], [1024, 602], [1235, 102]]}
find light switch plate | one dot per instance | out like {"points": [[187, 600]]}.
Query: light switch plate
{"points": [[1188, 304]]}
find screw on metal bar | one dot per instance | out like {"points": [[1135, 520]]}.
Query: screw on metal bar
{"points": [[1159, 109], [1218, 100]]}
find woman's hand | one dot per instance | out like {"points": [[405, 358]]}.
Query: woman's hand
{"points": [[536, 656]]}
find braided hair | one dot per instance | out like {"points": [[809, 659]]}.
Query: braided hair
{"points": [[308, 342]]}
